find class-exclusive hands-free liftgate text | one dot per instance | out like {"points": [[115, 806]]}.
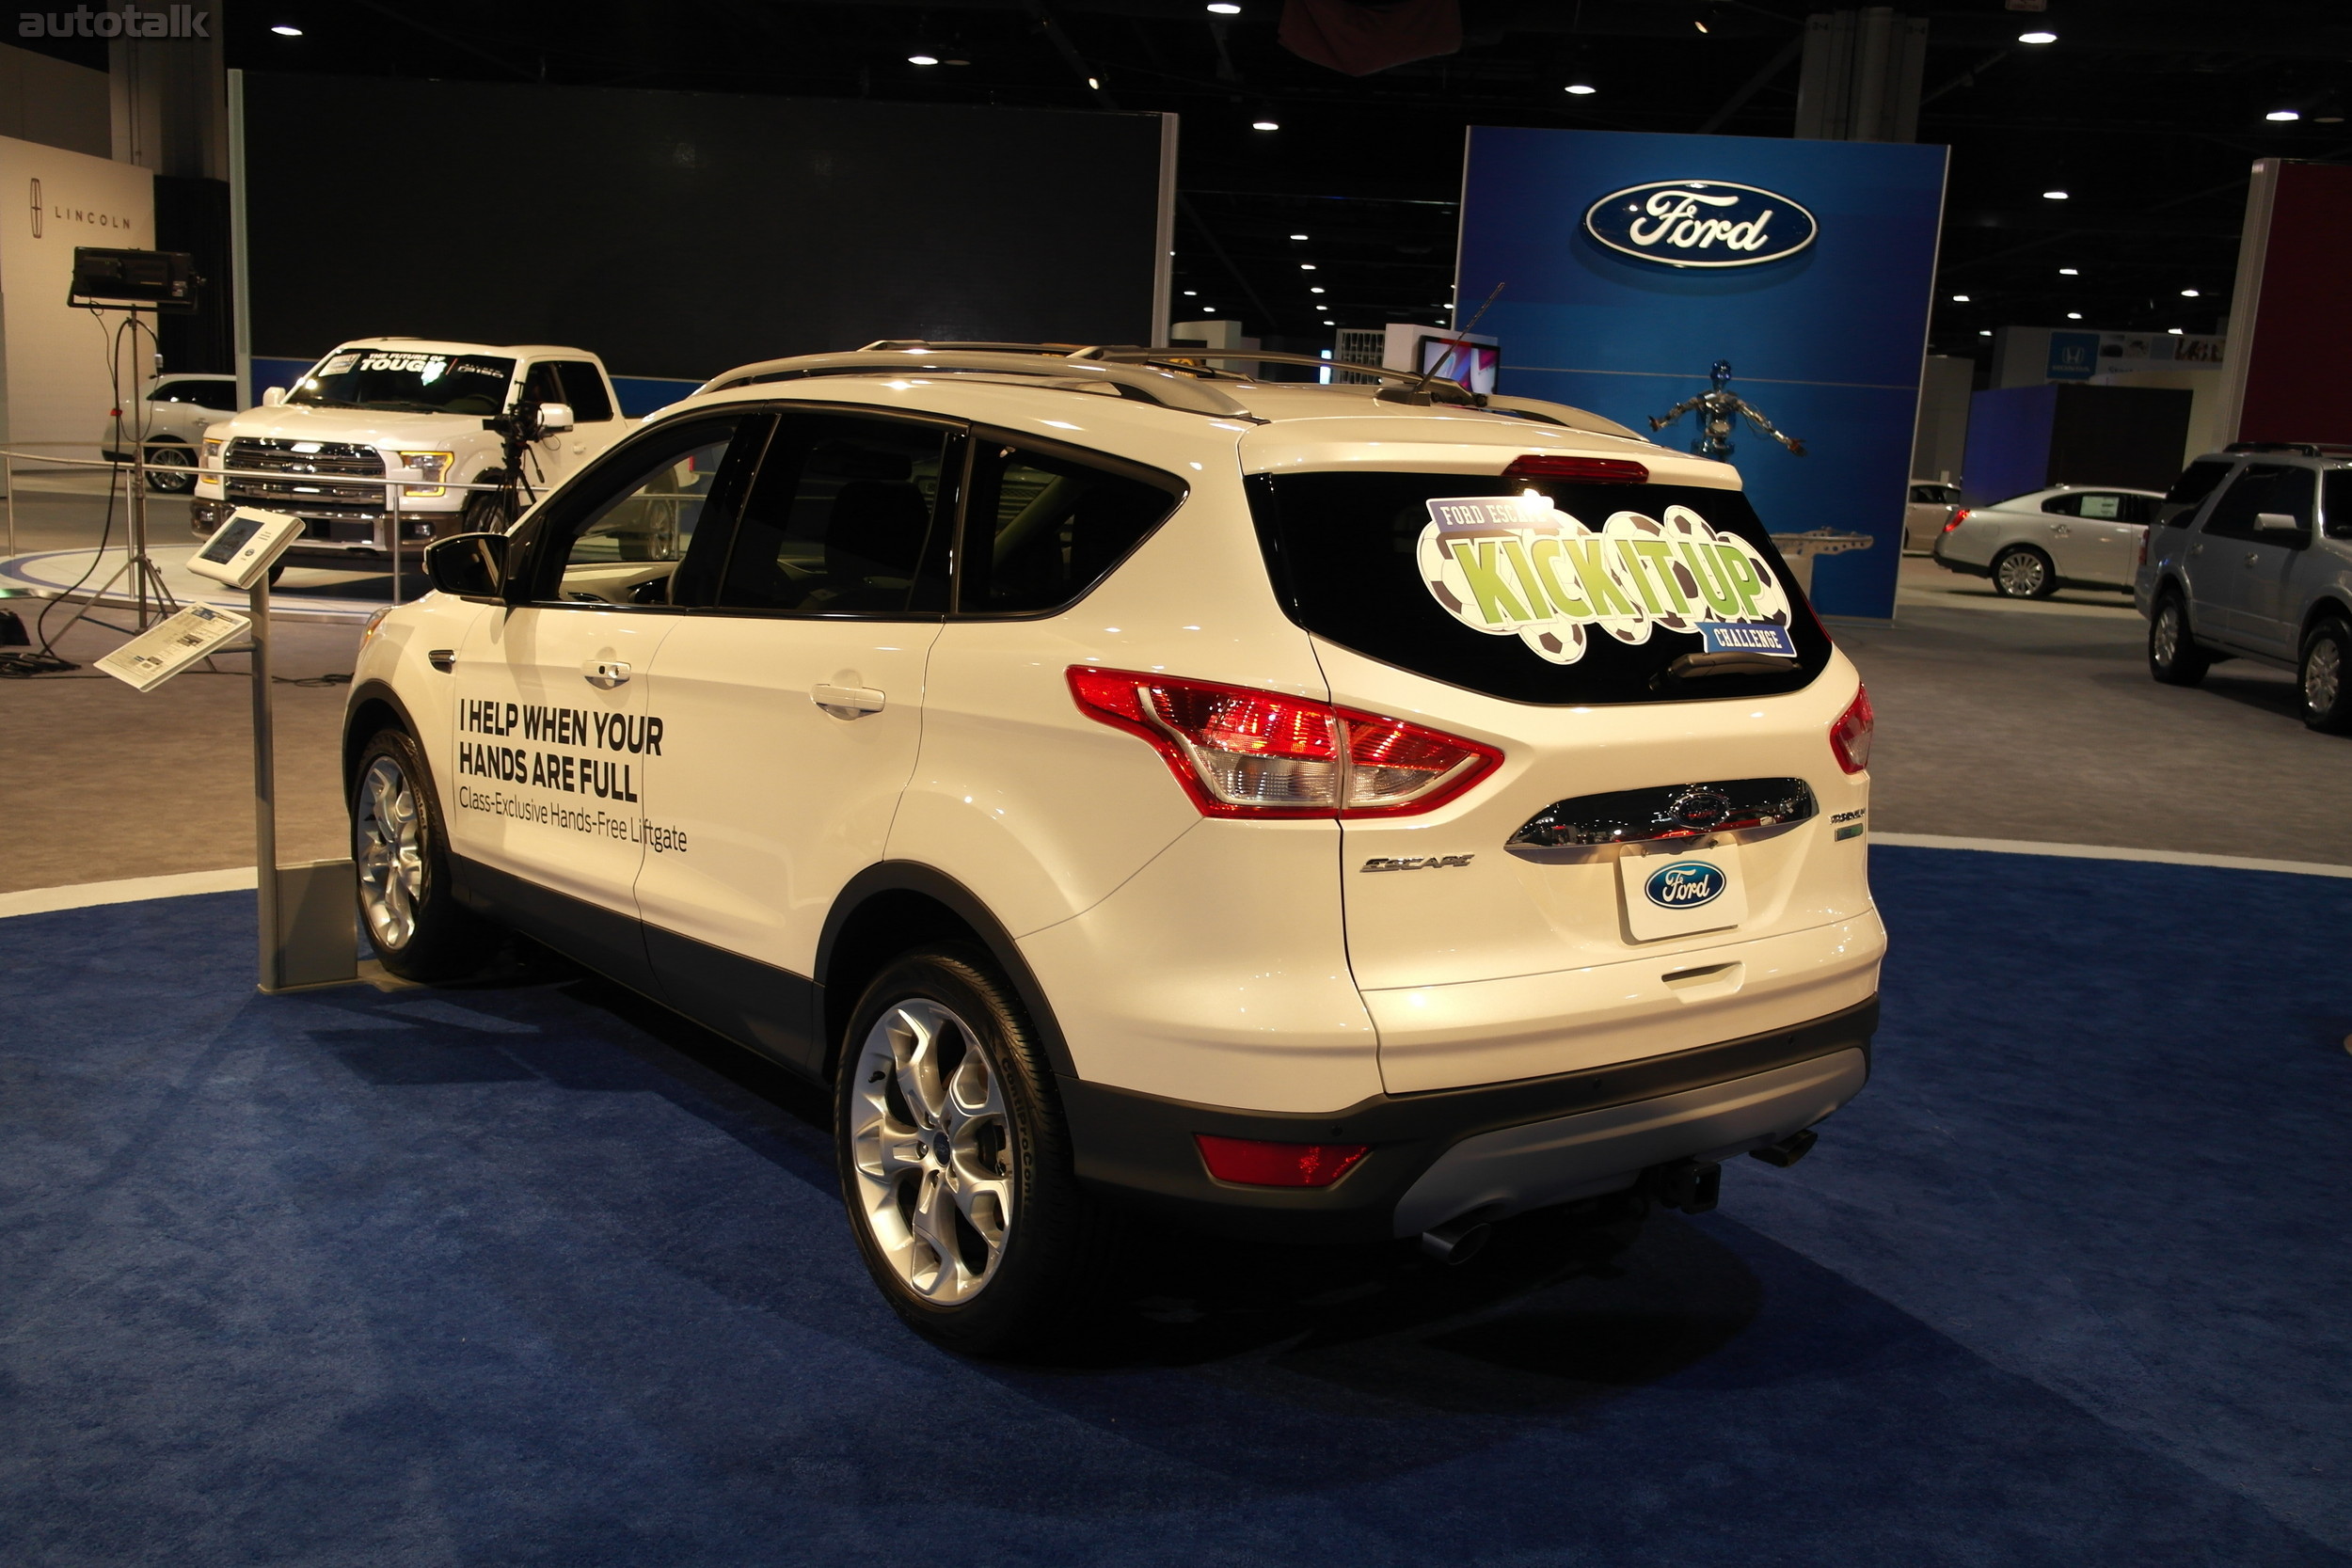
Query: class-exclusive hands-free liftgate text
{"points": [[1330, 814]]}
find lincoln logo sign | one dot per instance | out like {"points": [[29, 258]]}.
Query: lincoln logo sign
{"points": [[1700, 223], [1685, 885], [1517, 566]]}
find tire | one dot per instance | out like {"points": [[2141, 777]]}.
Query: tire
{"points": [[2173, 657], [407, 907], [955, 1161], [485, 511], [2324, 678], [2022, 572], [170, 470]]}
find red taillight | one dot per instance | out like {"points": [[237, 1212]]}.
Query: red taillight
{"points": [[1256, 1162], [1955, 519], [1244, 753], [2143, 545], [1850, 738], [1590, 470]]}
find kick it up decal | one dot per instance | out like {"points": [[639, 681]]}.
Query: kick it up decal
{"points": [[1517, 566]]}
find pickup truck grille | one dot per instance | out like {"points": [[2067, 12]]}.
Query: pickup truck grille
{"points": [[308, 490]]}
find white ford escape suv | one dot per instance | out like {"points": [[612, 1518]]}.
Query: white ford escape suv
{"points": [[1313, 813]]}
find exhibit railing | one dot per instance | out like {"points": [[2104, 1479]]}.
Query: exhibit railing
{"points": [[146, 583]]}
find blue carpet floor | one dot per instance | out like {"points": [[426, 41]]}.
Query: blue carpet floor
{"points": [[527, 1272]]}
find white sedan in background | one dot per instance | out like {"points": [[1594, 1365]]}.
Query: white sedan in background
{"points": [[2067, 536]]}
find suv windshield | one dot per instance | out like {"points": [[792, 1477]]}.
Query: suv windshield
{"points": [[1541, 591], [408, 381]]}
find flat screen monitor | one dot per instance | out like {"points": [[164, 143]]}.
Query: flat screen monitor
{"points": [[1471, 364]]}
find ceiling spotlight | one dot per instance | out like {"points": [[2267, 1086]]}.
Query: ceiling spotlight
{"points": [[2042, 37], [1306, 266], [2284, 113], [922, 59], [1984, 332], [1265, 125], [1700, 25], [1315, 291], [2176, 332], [2069, 272], [2054, 196], [1225, 8], [2188, 294], [1095, 82], [1299, 236], [287, 30], [1192, 294], [1959, 299], [1582, 89], [2073, 315], [1330, 324], [2327, 119]]}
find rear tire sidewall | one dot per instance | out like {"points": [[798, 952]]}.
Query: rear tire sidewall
{"points": [[448, 940], [170, 470], [2047, 584], [1043, 1274], [2186, 663], [2334, 717]]}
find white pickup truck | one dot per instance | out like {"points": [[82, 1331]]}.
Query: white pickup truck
{"points": [[432, 413]]}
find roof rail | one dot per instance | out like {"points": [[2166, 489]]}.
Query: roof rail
{"points": [[1167, 387], [2300, 449]]}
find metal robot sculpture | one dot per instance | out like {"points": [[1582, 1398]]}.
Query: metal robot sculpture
{"points": [[1719, 407]]}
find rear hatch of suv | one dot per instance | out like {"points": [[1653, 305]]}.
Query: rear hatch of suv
{"points": [[1671, 854]]}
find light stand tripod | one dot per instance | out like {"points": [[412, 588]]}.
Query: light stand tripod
{"points": [[147, 578]]}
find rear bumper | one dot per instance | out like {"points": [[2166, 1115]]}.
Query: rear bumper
{"points": [[1501, 1148]]}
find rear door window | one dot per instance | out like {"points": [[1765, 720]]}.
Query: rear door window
{"points": [[2189, 492], [2261, 487], [2338, 499], [1545, 590]]}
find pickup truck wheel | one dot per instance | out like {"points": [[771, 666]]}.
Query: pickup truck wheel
{"points": [[2022, 572], [2173, 657], [955, 1162], [406, 906], [2326, 693]]}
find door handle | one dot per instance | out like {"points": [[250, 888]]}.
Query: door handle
{"points": [[846, 701], [604, 674]]}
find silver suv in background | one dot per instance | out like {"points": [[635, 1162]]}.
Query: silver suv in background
{"points": [[2251, 558], [2066, 536]]}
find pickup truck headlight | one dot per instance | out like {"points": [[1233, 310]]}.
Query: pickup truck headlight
{"points": [[212, 454], [434, 466]]}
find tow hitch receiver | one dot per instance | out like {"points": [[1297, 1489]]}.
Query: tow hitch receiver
{"points": [[1691, 1185]]}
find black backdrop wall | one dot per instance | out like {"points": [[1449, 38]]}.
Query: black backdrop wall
{"points": [[678, 234]]}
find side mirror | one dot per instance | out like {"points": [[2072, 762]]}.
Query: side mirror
{"points": [[2276, 522], [469, 565], [554, 418], [273, 396]]}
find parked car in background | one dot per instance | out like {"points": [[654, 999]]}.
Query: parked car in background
{"points": [[179, 409], [1933, 503], [2251, 558], [2067, 536]]}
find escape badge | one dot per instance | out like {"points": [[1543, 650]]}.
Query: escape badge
{"points": [[1517, 566]]}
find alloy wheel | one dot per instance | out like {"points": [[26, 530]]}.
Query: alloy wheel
{"points": [[2164, 639], [932, 1146], [390, 848], [2323, 675], [2021, 573]]}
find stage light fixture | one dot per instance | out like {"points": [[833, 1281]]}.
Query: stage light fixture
{"points": [[1299, 236], [2069, 272], [1265, 125], [287, 30], [1959, 299], [2175, 331], [922, 59], [2040, 35], [1222, 7], [2284, 113], [2055, 195], [1582, 89], [2188, 294], [2073, 315]]}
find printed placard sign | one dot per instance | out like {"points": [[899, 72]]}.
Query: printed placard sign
{"points": [[1677, 894], [1517, 566]]}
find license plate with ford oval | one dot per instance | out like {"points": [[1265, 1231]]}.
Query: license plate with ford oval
{"points": [[1675, 895]]}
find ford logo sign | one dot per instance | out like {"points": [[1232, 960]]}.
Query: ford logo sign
{"points": [[1685, 885], [1701, 223]]}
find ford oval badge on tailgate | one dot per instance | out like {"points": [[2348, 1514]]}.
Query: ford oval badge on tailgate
{"points": [[1685, 885], [1701, 223]]}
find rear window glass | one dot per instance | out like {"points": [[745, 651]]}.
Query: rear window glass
{"points": [[1544, 591], [2195, 484]]}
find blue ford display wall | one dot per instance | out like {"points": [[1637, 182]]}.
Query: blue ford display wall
{"points": [[1632, 262]]}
